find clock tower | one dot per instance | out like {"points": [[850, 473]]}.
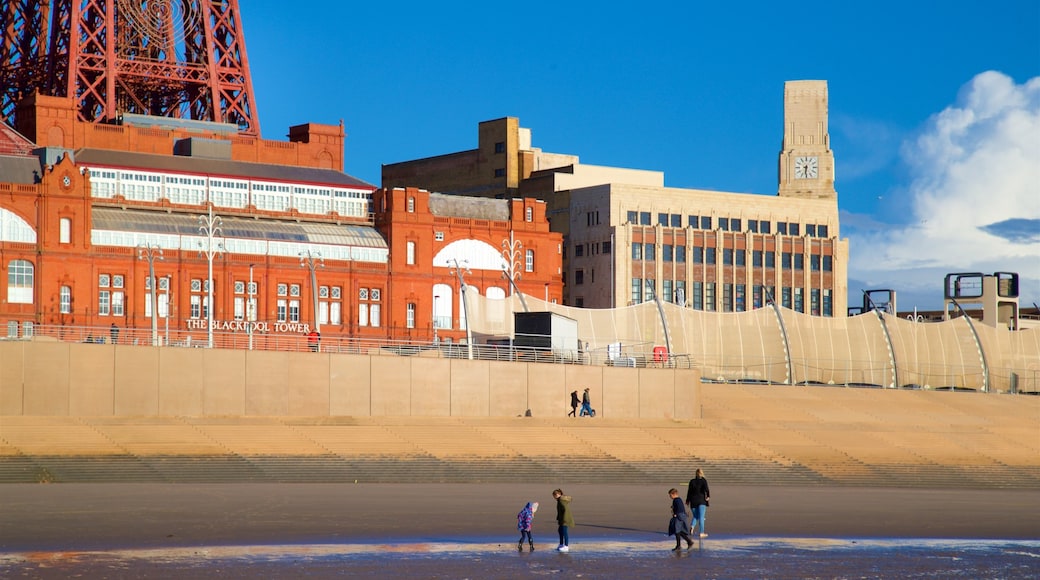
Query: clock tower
{"points": [[806, 161]]}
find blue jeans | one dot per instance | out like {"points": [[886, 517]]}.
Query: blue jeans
{"points": [[586, 409], [700, 517], [565, 539]]}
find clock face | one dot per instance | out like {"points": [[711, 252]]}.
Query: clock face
{"points": [[806, 167]]}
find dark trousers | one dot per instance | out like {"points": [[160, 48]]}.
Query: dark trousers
{"points": [[565, 539]]}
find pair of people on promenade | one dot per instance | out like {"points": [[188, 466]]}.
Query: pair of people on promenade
{"points": [[586, 405]]}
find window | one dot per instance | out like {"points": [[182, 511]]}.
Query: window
{"points": [[20, 282], [799, 302], [633, 217], [709, 296], [739, 298], [785, 297], [410, 253], [579, 277], [529, 261], [117, 303], [336, 306], [756, 296], [821, 231], [409, 316], [727, 297], [606, 247], [65, 230], [579, 250], [692, 221], [814, 302], [781, 228], [770, 259], [637, 290], [727, 257], [763, 226], [676, 220], [814, 263], [785, 260], [680, 254], [294, 311], [500, 172], [752, 226], [792, 228], [724, 224], [734, 225], [644, 218], [500, 147], [283, 310], [697, 254], [529, 214], [709, 256], [740, 257], [373, 312], [438, 236], [828, 263], [104, 303], [756, 258], [65, 304], [810, 230], [362, 314], [411, 205], [649, 252], [697, 298], [637, 251], [799, 261], [705, 222], [666, 252], [662, 219], [680, 292], [827, 302], [666, 290]]}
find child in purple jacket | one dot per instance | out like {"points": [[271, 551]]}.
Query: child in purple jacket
{"points": [[524, 519]]}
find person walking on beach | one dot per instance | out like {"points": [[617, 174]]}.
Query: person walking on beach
{"points": [[586, 405], [697, 497], [524, 519], [574, 404], [678, 525], [564, 519]]}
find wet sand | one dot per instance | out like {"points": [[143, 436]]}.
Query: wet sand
{"points": [[118, 516]]}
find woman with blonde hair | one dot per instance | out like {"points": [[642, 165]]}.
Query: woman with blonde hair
{"points": [[697, 496]]}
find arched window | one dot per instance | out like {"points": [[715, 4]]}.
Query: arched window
{"points": [[20, 282], [65, 231]]}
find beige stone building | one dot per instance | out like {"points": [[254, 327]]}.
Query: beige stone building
{"points": [[628, 238]]}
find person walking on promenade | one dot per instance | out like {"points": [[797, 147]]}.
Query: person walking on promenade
{"points": [[678, 525], [697, 497], [113, 331], [586, 405], [524, 519], [564, 519], [574, 404]]}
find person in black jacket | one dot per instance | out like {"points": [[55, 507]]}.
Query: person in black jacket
{"points": [[678, 525], [574, 404], [697, 496]]}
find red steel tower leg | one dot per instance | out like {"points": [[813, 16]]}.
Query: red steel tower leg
{"points": [[174, 58]]}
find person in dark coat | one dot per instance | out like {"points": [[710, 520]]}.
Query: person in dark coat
{"points": [[678, 525], [697, 497], [574, 404], [564, 519]]}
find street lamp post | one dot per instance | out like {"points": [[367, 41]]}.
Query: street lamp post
{"points": [[166, 313], [211, 226], [152, 252], [460, 271], [250, 308], [313, 260]]}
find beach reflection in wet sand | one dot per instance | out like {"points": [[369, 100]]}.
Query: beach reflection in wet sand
{"points": [[721, 557]]}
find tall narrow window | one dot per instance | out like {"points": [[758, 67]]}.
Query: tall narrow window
{"points": [[529, 214], [66, 300], [65, 231], [20, 282], [409, 318], [410, 253], [529, 261], [411, 205]]}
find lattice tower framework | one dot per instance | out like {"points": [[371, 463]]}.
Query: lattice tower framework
{"points": [[183, 59]]}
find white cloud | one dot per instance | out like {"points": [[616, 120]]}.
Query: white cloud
{"points": [[975, 168]]}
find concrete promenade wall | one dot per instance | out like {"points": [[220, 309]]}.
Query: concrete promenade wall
{"points": [[42, 378]]}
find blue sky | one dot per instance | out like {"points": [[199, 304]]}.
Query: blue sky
{"points": [[934, 107]]}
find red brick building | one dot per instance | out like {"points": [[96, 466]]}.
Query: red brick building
{"points": [[89, 210]]}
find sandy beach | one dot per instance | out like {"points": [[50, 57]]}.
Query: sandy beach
{"points": [[107, 516]]}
